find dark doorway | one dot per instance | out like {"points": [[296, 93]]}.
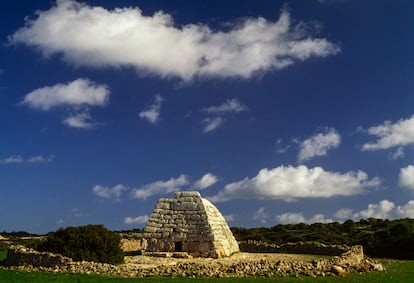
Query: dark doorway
{"points": [[178, 246]]}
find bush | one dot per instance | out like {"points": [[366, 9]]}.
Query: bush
{"points": [[3, 246], [89, 243]]}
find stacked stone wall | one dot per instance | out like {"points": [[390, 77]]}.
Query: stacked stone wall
{"points": [[20, 256], [188, 223], [315, 248]]}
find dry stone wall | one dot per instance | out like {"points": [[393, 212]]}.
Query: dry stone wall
{"points": [[188, 223], [315, 248], [22, 258]]}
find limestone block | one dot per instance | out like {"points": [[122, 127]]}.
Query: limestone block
{"points": [[187, 199], [155, 224], [184, 206], [150, 229], [152, 220], [158, 211], [187, 194], [163, 205], [170, 226], [194, 217]]}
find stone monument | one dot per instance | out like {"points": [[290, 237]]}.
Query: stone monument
{"points": [[188, 224]]}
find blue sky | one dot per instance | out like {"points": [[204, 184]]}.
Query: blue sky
{"points": [[277, 111]]}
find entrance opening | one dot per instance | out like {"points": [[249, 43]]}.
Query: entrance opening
{"points": [[178, 246]]}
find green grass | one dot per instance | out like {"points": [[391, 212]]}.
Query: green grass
{"points": [[400, 272], [3, 255]]}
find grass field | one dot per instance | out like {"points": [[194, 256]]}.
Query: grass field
{"points": [[402, 271]]}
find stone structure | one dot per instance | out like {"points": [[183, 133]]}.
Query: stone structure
{"points": [[188, 224]]}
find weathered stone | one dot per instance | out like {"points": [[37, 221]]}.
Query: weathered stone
{"points": [[338, 270], [198, 228], [130, 245]]}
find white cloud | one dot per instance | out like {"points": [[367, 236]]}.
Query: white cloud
{"points": [[40, 159], [78, 212], [344, 213], [17, 159], [261, 215], [160, 187], [289, 183], [406, 211], [182, 182], [136, 220], [391, 135], [206, 181], [318, 145], [385, 209], [76, 94], [79, 92], [295, 218], [81, 120], [280, 148], [212, 123], [406, 177], [319, 218], [382, 210], [291, 218], [152, 113], [399, 153], [12, 159], [218, 113], [113, 193], [230, 106], [94, 36]]}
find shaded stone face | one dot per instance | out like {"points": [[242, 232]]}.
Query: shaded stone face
{"points": [[188, 223]]}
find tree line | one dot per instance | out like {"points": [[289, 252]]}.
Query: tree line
{"points": [[380, 238]]}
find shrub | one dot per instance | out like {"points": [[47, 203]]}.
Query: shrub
{"points": [[89, 243], [3, 246]]}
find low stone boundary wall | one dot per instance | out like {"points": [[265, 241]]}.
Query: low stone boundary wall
{"points": [[22, 258], [20, 255], [315, 248], [351, 261]]}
